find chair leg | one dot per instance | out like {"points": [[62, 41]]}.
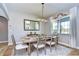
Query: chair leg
{"points": [[28, 51], [56, 49], [14, 51], [50, 49], [45, 50], [37, 51]]}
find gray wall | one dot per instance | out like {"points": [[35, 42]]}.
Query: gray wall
{"points": [[3, 29], [3, 25]]}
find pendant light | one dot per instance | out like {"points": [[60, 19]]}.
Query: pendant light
{"points": [[42, 11], [44, 20]]}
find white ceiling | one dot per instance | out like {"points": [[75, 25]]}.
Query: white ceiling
{"points": [[36, 8]]}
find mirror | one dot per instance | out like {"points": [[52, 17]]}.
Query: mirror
{"points": [[31, 25]]}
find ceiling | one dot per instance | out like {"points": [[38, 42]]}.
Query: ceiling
{"points": [[36, 8]]}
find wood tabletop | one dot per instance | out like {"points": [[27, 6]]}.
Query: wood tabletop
{"points": [[31, 39]]}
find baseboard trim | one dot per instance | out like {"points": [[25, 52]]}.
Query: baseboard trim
{"points": [[66, 45], [4, 42]]}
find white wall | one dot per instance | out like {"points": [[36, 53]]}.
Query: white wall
{"points": [[16, 25], [3, 10], [48, 26], [2, 13], [65, 38]]}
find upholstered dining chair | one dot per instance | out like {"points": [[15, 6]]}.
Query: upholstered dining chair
{"points": [[40, 44], [51, 43], [18, 46]]}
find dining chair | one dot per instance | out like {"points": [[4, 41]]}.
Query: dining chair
{"points": [[51, 43], [18, 46], [40, 44]]}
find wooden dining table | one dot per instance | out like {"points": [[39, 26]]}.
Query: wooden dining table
{"points": [[30, 40]]}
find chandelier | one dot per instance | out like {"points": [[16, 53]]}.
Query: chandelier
{"points": [[42, 14]]}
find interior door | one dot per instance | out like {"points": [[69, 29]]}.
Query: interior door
{"points": [[3, 29]]}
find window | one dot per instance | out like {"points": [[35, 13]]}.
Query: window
{"points": [[30, 25], [54, 26], [65, 26], [61, 26]]}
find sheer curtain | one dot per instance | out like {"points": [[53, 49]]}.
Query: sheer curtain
{"points": [[73, 14]]}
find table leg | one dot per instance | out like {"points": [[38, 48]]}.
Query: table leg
{"points": [[29, 49]]}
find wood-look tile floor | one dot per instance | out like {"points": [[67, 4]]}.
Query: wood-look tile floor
{"points": [[74, 52], [59, 51], [3, 47]]}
